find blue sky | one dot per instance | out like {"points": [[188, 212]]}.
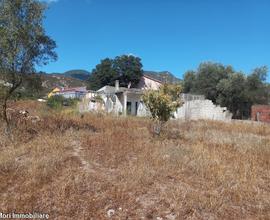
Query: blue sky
{"points": [[172, 35]]}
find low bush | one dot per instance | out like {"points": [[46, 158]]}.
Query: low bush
{"points": [[58, 101]]}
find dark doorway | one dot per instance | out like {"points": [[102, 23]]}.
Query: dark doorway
{"points": [[128, 108]]}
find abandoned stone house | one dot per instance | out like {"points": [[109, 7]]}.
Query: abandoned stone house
{"points": [[128, 101], [120, 100]]}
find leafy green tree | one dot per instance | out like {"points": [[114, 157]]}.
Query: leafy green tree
{"points": [[228, 88], [232, 94], [239, 92], [208, 76], [23, 44], [162, 104], [103, 74], [189, 81], [127, 69], [31, 87], [257, 87]]}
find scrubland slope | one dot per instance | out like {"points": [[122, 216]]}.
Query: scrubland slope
{"points": [[74, 167]]}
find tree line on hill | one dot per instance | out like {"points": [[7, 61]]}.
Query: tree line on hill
{"points": [[229, 88]]}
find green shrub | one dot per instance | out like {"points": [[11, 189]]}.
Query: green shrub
{"points": [[58, 101], [162, 104]]}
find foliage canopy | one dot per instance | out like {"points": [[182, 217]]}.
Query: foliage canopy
{"points": [[23, 43], [126, 68], [229, 88], [164, 102]]}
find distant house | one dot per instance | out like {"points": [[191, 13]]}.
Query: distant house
{"points": [[148, 82], [128, 101], [121, 100], [260, 113], [54, 91], [76, 92]]}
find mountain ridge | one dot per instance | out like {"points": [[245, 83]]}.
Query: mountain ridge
{"points": [[164, 76], [78, 78]]}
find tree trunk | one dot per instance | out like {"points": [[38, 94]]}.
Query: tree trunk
{"points": [[4, 105], [4, 113], [157, 127]]}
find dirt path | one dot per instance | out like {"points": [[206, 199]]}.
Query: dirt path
{"points": [[77, 152], [89, 166]]}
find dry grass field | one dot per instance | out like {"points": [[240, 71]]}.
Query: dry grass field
{"points": [[103, 167]]}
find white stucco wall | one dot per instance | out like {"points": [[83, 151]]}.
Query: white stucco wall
{"points": [[90, 94], [118, 107], [146, 83], [133, 98], [86, 105], [143, 111]]}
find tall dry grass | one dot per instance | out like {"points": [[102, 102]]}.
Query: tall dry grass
{"points": [[74, 167]]}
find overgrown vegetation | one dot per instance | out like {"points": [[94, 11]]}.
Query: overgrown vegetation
{"points": [[74, 168], [162, 104], [229, 88], [31, 88], [58, 101]]}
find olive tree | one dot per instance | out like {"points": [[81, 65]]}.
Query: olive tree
{"points": [[23, 45]]}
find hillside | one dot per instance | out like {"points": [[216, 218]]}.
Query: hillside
{"points": [[77, 74], [163, 76], [77, 78], [50, 81]]}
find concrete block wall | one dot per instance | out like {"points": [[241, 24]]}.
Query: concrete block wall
{"points": [[202, 109]]}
